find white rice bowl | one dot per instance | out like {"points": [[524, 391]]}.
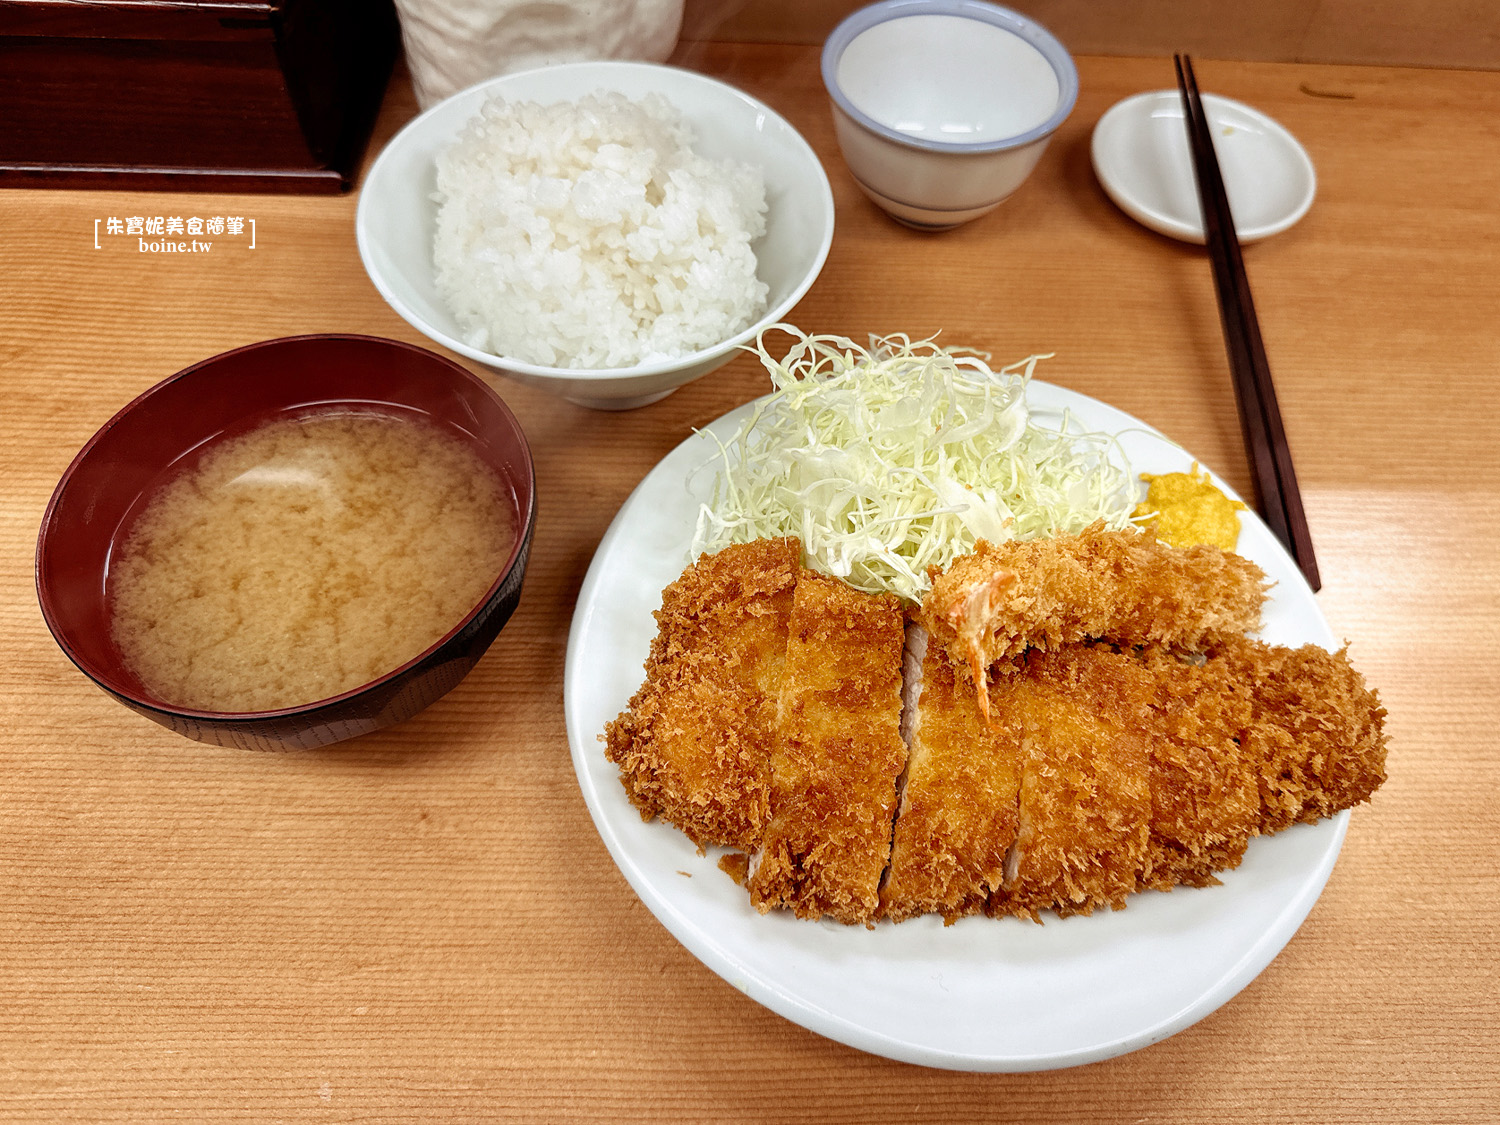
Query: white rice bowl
{"points": [[396, 219], [590, 234]]}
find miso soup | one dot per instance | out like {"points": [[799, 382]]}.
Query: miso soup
{"points": [[304, 558]]}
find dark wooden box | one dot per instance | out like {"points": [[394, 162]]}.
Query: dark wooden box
{"points": [[231, 95]]}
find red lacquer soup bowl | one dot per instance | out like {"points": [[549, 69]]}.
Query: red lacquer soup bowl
{"points": [[168, 429]]}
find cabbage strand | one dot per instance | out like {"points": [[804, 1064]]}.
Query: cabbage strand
{"points": [[894, 458]]}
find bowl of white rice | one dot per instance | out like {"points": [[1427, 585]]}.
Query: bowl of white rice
{"points": [[607, 231]]}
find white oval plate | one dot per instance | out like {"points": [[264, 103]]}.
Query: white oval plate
{"points": [[1142, 157], [982, 994]]}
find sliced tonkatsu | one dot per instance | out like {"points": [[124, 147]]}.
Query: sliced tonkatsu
{"points": [[1084, 812], [695, 745], [1077, 772], [838, 755], [1314, 739], [1205, 804], [957, 820], [1125, 587]]}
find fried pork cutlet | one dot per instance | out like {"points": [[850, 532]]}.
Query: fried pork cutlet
{"points": [[1315, 739], [1084, 814], [1205, 803], [957, 819], [1074, 722], [1122, 586], [694, 746], [1246, 741], [834, 770], [772, 720]]}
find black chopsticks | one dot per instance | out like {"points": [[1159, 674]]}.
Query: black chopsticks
{"points": [[1260, 417]]}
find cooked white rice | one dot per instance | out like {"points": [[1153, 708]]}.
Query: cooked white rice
{"points": [[589, 234]]}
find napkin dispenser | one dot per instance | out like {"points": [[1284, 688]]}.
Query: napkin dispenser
{"points": [[228, 95]]}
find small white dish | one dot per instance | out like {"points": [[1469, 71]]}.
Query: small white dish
{"points": [[1142, 158]]}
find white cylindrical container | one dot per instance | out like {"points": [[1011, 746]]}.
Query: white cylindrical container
{"points": [[452, 44]]}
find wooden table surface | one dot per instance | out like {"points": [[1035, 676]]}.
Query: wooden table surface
{"points": [[424, 925]]}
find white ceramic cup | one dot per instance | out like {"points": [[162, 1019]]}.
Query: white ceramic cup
{"points": [[943, 107]]}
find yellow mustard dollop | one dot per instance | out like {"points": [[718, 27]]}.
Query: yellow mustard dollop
{"points": [[1185, 509]]}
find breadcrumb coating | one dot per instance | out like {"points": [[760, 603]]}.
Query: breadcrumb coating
{"points": [[1121, 586], [834, 771], [1205, 804], [1084, 814], [694, 746], [957, 820], [1315, 740]]}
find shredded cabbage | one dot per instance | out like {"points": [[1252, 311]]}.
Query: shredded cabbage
{"points": [[894, 458]]}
